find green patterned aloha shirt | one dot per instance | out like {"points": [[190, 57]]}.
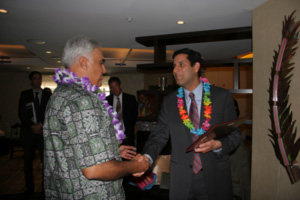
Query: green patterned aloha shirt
{"points": [[78, 133]]}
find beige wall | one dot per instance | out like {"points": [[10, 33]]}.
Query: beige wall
{"points": [[131, 82], [269, 178]]}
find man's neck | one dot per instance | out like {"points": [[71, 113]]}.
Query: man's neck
{"points": [[192, 86], [119, 95]]}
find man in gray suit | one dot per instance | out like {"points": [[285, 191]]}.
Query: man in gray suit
{"points": [[205, 172]]}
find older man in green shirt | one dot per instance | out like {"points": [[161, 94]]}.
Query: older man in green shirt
{"points": [[81, 131]]}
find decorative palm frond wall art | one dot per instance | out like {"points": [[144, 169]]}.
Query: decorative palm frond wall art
{"points": [[283, 133]]}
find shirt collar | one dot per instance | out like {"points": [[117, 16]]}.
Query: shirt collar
{"points": [[197, 92], [120, 96], [39, 91]]}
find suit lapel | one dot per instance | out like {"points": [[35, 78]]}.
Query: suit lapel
{"points": [[187, 131], [31, 96], [201, 111], [123, 102], [43, 98]]}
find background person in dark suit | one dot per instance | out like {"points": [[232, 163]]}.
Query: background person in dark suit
{"points": [[32, 100], [212, 180], [129, 108]]}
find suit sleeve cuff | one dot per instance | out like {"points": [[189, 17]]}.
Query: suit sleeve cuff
{"points": [[150, 159]]}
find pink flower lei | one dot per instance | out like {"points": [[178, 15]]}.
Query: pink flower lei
{"points": [[207, 109], [67, 77]]}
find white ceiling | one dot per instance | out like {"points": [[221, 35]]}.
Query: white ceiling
{"points": [[55, 21]]}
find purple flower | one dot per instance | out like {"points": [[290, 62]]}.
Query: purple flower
{"points": [[67, 77], [57, 70], [94, 87]]}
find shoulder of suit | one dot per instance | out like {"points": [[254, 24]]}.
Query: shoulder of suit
{"points": [[45, 93], [129, 95], [24, 92], [109, 96], [172, 94], [28, 90]]}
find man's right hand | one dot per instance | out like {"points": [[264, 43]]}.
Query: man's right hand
{"points": [[36, 128], [141, 159]]}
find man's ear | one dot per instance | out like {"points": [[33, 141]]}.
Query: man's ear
{"points": [[83, 62], [196, 67]]}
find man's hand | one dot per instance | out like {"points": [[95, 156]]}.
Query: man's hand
{"points": [[208, 146], [114, 169], [36, 128], [127, 152], [141, 158]]}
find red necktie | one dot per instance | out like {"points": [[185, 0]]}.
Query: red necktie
{"points": [[193, 114]]}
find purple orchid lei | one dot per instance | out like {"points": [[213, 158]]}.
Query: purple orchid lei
{"points": [[67, 77]]}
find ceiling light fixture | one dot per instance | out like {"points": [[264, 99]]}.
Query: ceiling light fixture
{"points": [[48, 52], [180, 22], [27, 67], [129, 19], [33, 41], [3, 11], [58, 61]]}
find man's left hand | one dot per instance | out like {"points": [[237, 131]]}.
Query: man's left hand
{"points": [[36, 128], [208, 146], [127, 152]]}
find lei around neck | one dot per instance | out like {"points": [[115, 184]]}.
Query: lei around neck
{"points": [[207, 109], [69, 78]]}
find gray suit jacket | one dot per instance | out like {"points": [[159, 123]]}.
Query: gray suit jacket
{"points": [[216, 166]]}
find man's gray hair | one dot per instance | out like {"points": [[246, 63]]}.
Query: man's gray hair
{"points": [[76, 47]]}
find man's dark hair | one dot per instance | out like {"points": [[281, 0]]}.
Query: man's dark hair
{"points": [[33, 73], [114, 79], [192, 56]]}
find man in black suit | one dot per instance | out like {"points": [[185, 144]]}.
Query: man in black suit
{"points": [[128, 108], [32, 105], [205, 172]]}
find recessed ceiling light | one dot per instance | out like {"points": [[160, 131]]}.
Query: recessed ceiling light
{"points": [[55, 58], [129, 19], [3, 11], [48, 52], [49, 68], [33, 41], [180, 22], [27, 67], [58, 61]]}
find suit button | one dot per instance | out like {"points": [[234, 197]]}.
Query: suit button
{"points": [[191, 166]]}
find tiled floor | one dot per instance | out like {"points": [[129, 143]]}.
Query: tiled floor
{"points": [[12, 176], [12, 184]]}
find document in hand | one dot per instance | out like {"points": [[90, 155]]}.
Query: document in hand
{"points": [[217, 131], [30, 112]]}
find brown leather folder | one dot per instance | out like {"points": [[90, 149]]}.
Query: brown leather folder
{"points": [[217, 131]]}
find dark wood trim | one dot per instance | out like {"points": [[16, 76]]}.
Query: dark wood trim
{"points": [[151, 67], [198, 36]]}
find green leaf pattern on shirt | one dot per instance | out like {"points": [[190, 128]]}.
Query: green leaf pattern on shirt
{"points": [[78, 133]]}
